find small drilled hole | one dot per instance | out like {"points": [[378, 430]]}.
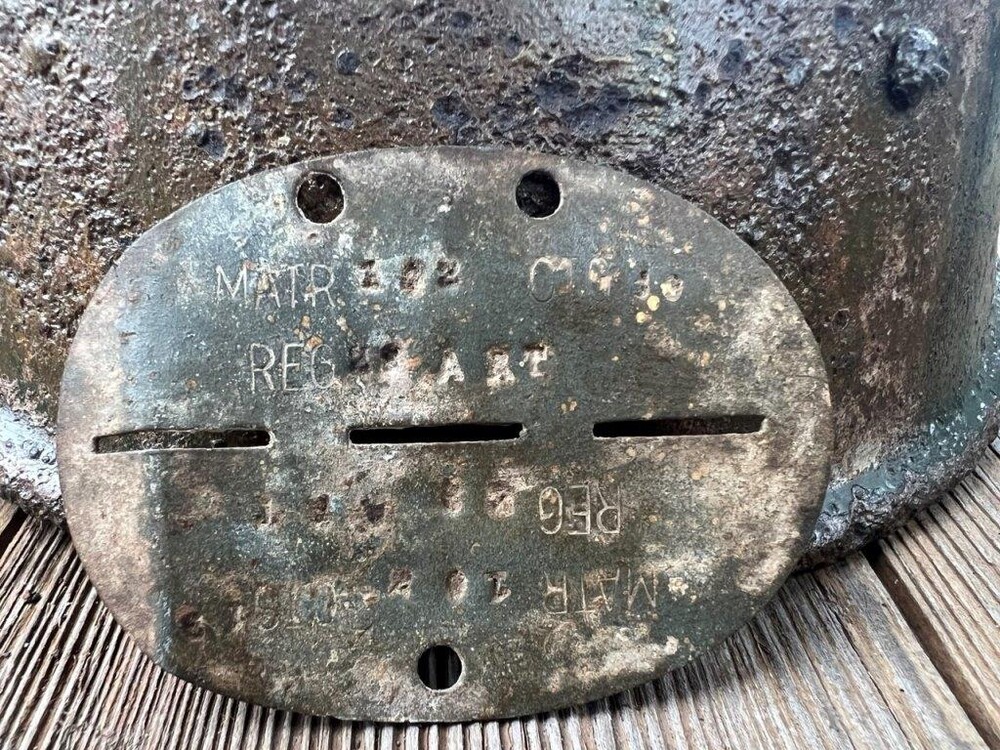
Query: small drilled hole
{"points": [[320, 198], [538, 194], [439, 667]]}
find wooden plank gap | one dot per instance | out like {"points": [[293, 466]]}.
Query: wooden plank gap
{"points": [[932, 641], [11, 520]]}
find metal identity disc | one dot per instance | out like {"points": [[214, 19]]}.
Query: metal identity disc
{"points": [[439, 435]]}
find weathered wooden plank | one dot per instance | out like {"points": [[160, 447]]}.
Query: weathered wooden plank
{"points": [[943, 570], [830, 663], [920, 701]]}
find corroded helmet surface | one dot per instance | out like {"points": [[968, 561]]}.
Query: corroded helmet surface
{"points": [[854, 147]]}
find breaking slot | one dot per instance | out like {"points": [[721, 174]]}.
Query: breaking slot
{"points": [[440, 433], [730, 424], [166, 440]]}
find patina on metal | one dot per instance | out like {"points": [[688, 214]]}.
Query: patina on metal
{"points": [[853, 145], [439, 434]]}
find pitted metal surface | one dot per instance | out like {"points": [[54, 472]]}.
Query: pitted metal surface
{"points": [[568, 432], [852, 145]]}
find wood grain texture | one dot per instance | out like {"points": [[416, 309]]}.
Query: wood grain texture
{"points": [[829, 664], [943, 570]]}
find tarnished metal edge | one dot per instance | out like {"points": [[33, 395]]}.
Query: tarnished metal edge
{"points": [[28, 475], [858, 510]]}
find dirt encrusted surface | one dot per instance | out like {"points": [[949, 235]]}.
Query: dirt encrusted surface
{"points": [[380, 505]]}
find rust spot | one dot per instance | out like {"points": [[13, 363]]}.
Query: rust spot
{"points": [[447, 272], [400, 580], [369, 274], [374, 512], [320, 509], [389, 351], [409, 277], [189, 620]]}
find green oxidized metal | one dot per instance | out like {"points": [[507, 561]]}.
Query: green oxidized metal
{"points": [[439, 434]]}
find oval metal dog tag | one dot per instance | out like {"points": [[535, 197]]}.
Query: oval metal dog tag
{"points": [[439, 435]]}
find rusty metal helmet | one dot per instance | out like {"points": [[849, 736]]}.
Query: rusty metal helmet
{"points": [[852, 146]]}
